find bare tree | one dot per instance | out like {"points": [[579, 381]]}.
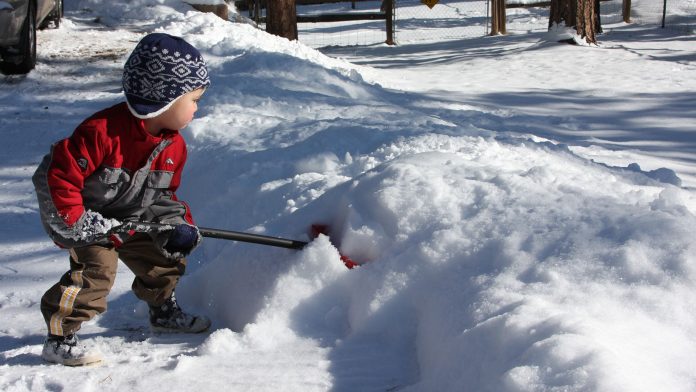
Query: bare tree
{"points": [[626, 11], [498, 17], [281, 18], [583, 15], [562, 12]]}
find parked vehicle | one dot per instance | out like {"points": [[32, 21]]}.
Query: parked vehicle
{"points": [[18, 23]]}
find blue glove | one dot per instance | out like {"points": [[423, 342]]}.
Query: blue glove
{"points": [[182, 239]]}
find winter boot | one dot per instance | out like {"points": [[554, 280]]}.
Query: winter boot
{"points": [[169, 318], [68, 351]]}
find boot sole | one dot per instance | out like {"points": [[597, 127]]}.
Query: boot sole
{"points": [[200, 329]]}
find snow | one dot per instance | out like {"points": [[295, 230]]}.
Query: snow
{"points": [[523, 209]]}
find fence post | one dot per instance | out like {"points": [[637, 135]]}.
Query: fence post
{"points": [[498, 17], [389, 5], [626, 11]]}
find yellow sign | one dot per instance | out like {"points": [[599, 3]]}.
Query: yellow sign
{"points": [[430, 3]]}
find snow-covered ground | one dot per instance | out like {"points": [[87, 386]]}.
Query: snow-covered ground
{"points": [[525, 211]]}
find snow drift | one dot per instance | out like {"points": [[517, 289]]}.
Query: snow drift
{"points": [[493, 262]]}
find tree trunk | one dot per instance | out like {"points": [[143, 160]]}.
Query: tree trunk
{"points": [[281, 18], [586, 24], [562, 12], [217, 9], [582, 15], [626, 11], [498, 17]]}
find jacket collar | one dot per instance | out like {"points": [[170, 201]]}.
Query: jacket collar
{"points": [[143, 134]]}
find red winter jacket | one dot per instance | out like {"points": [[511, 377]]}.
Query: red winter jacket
{"points": [[111, 165]]}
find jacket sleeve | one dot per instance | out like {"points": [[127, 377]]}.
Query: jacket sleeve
{"points": [[176, 181], [170, 209], [59, 180]]}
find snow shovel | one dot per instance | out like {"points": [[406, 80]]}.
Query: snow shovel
{"points": [[148, 227]]}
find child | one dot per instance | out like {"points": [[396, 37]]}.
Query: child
{"points": [[123, 164]]}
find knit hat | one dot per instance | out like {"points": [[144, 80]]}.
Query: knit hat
{"points": [[161, 69]]}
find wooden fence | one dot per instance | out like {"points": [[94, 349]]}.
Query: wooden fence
{"points": [[386, 13]]}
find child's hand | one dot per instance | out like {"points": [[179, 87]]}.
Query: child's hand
{"points": [[182, 240], [92, 226]]}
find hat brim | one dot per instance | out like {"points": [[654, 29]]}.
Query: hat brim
{"points": [[144, 108]]}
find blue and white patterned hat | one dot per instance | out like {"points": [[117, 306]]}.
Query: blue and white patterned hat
{"points": [[161, 69]]}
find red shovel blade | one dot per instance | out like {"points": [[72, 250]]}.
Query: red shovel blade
{"points": [[324, 229]]}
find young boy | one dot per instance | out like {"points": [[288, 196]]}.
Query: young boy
{"points": [[123, 164]]}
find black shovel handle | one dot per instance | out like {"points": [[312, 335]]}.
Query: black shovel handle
{"points": [[147, 227]]}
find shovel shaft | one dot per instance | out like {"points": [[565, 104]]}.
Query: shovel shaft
{"points": [[253, 238], [147, 227]]}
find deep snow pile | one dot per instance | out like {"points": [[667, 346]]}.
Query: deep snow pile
{"points": [[493, 261]]}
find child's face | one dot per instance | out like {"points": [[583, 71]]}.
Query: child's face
{"points": [[180, 114]]}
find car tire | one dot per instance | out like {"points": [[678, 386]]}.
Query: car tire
{"points": [[54, 17], [22, 58]]}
